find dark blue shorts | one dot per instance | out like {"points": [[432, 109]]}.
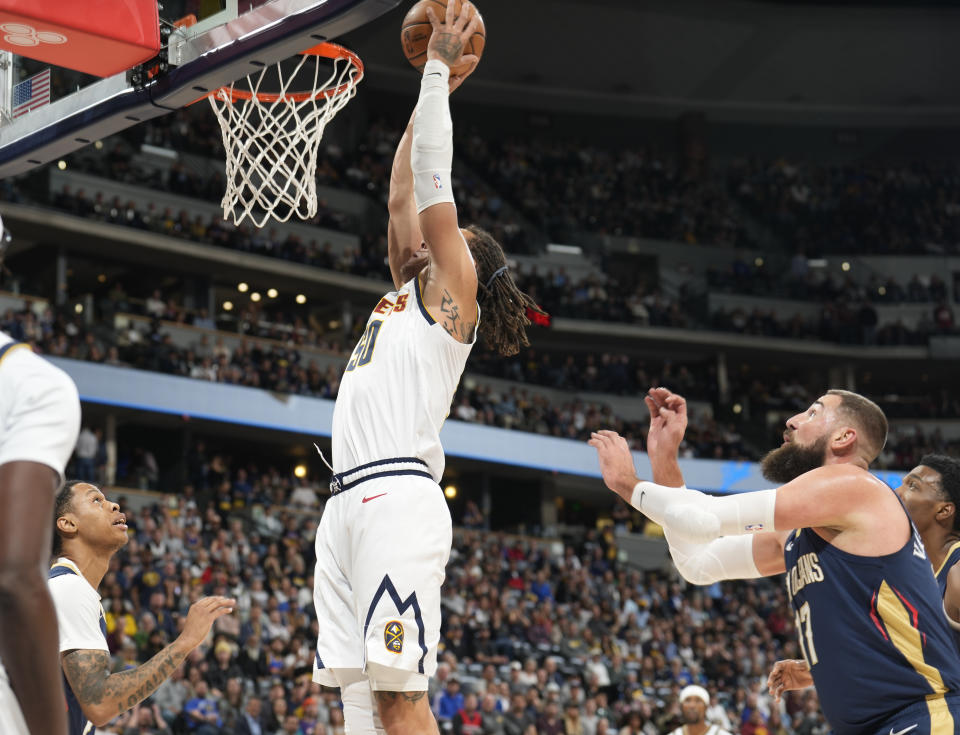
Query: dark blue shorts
{"points": [[939, 716]]}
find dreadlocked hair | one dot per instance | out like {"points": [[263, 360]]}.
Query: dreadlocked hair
{"points": [[60, 507], [503, 318]]}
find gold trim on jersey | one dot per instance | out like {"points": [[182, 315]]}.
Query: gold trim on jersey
{"points": [[419, 294], [953, 548], [907, 639], [14, 348], [941, 721], [66, 564]]}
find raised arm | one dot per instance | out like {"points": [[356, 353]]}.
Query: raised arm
{"points": [[452, 275], [732, 557], [404, 237], [403, 229], [103, 696]]}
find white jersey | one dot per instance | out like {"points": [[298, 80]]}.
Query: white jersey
{"points": [[39, 422], [397, 388], [39, 408], [81, 624]]}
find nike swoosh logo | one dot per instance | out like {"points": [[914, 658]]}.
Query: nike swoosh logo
{"points": [[789, 546], [372, 497], [900, 732], [640, 504], [434, 74]]}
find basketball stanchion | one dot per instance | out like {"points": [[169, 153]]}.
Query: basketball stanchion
{"points": [[271, 138]]}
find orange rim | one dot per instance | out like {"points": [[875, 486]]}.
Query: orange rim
{"points": [[327, 50]]}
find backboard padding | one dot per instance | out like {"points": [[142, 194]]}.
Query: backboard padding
{"points": [[218, 56]]}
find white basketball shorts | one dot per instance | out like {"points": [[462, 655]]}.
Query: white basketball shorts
{"points": [[11, 719], [382, 551]]}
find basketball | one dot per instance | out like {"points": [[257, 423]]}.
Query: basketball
{"points": [[416, 33]]}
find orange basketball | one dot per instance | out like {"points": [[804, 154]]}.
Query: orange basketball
{"points": [[417, 30]]}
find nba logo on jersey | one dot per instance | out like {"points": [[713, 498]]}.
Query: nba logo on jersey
{"points": [[436, 181], [393, 636]]}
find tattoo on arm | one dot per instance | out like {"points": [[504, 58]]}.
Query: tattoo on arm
{"points": [[449, 46], [452, 321], [88, 673], [391, 697]]}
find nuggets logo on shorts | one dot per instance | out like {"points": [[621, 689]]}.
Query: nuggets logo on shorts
{"points": [[393, 636]]}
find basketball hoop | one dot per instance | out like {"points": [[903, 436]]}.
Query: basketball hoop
{"points": [[272, 138]]}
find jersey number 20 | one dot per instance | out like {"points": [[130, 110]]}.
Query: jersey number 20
{"points": [[363, 352]]}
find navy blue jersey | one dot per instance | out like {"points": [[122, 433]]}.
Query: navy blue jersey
{"points": [[77, 721], [873, 632], [953, 556]]}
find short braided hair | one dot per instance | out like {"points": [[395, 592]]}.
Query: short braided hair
{"points": [[503, 306], [63, 505]]}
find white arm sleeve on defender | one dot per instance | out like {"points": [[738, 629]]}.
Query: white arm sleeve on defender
{"points": [[730, 557], [701, 517], [431, 155]]}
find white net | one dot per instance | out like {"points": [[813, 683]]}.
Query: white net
{"points": [[272, 138]]}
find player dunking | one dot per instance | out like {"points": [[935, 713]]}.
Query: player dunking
{"points": [[39, 421], [868, 611], [384, 540]]}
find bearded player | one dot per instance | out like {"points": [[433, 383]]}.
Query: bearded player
{"points": [[384, 539], [931, 494], [869, 615], [39, 422]]}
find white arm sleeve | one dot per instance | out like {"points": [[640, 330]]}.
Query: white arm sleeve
{"points": [[730, 557], [431, 155], [701, 517]]}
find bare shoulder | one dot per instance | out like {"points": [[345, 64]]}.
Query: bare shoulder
{"points": [[452, 302], [953, 577], [848, 477]]}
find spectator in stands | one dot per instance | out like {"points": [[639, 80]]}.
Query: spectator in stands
{"points": [[468, 720], [694, 702], [85, 455], [202, 713], [450, 701], [250, 722]]}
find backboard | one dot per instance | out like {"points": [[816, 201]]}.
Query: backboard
{"points": [[205, 44]]}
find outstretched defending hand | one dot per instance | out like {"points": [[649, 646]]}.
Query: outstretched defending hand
{"points": [[616, 462], [668, 422], [449, 36], [788, 676], [200, 619]]}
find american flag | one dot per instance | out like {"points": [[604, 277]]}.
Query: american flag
{"points": [[31, 93]]}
